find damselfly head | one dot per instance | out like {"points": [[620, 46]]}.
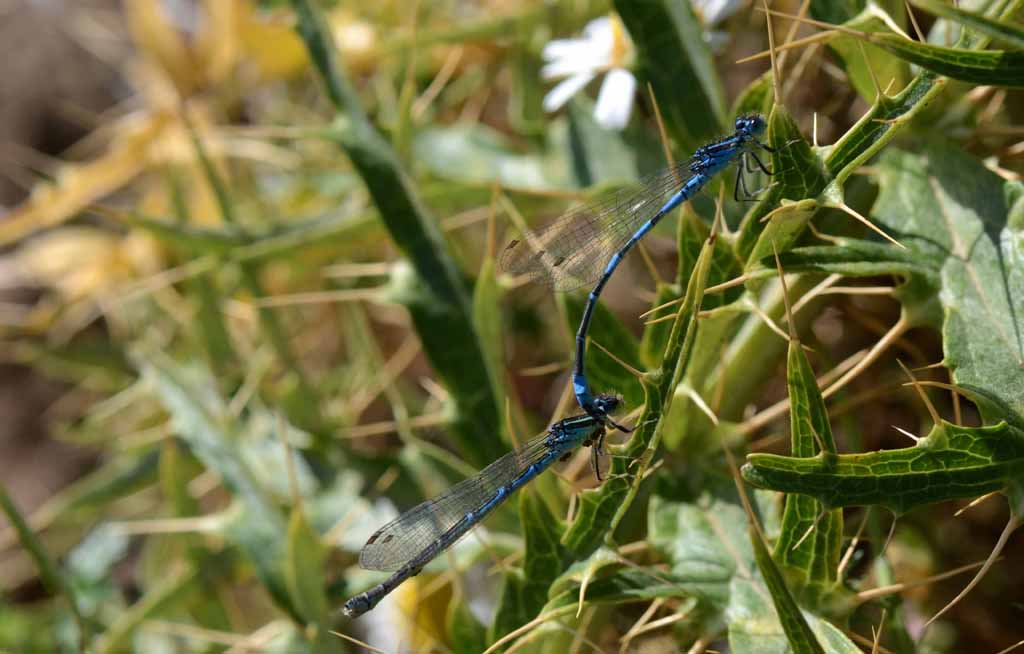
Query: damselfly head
{"points": [[751, 125], [607, 403]]}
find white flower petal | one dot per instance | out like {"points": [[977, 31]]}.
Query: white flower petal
{"points": [[714, 12], [615, 100], [566, 67], [598, 29], [564, 90], [560, 48]]}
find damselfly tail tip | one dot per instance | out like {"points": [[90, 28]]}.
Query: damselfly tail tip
{"points": [[355, 607]]}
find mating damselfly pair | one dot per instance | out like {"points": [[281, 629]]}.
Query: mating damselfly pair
{"points": [[584, 245]]}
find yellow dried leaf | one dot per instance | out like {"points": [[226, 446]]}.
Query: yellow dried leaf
{"points": [[161, 44], [78, 185], [270, 44], [218, 43], [85, 263]]}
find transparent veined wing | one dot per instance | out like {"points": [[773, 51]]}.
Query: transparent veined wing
{"points": [[574, 249], [406, 536]]}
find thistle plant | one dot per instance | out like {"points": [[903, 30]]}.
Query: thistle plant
{"points": [[273, 298]]}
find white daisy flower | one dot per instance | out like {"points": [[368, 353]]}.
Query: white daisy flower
{"points": [[604, 48]]}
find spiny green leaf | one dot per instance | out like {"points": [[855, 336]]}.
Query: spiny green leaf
{"points": [[854, 258], [798, 174], [989, 67], [625, 585], [601, 510], [952, 462], [798, 633], [544, 553], [808, 547], [685, 417], [886, 118], [706, 543], [724, 266], [999, 31], [674, 57]]}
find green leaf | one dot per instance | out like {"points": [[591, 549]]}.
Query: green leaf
{"points": [[988, 67], [488, 324], [704, 540], [465, 633], [623, 586], [655, 337], [855, 258], [602, 510], [198, 240], [706, 543], [946, 206], [116, 479], [582, 573], [212, 328], [798, 633], [757, 98], [799, 174], [809, 543], [754, 625], [171, 591], [305, 567], [886, 118], [836, 11], [917, 292], [685, 417], [526, 591], [49, 573], [999, 31], [674, 57], [868, 65], [452, 346], [476, 154], [201, 419], [952, 462], [598, 154], [436, 294]]}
